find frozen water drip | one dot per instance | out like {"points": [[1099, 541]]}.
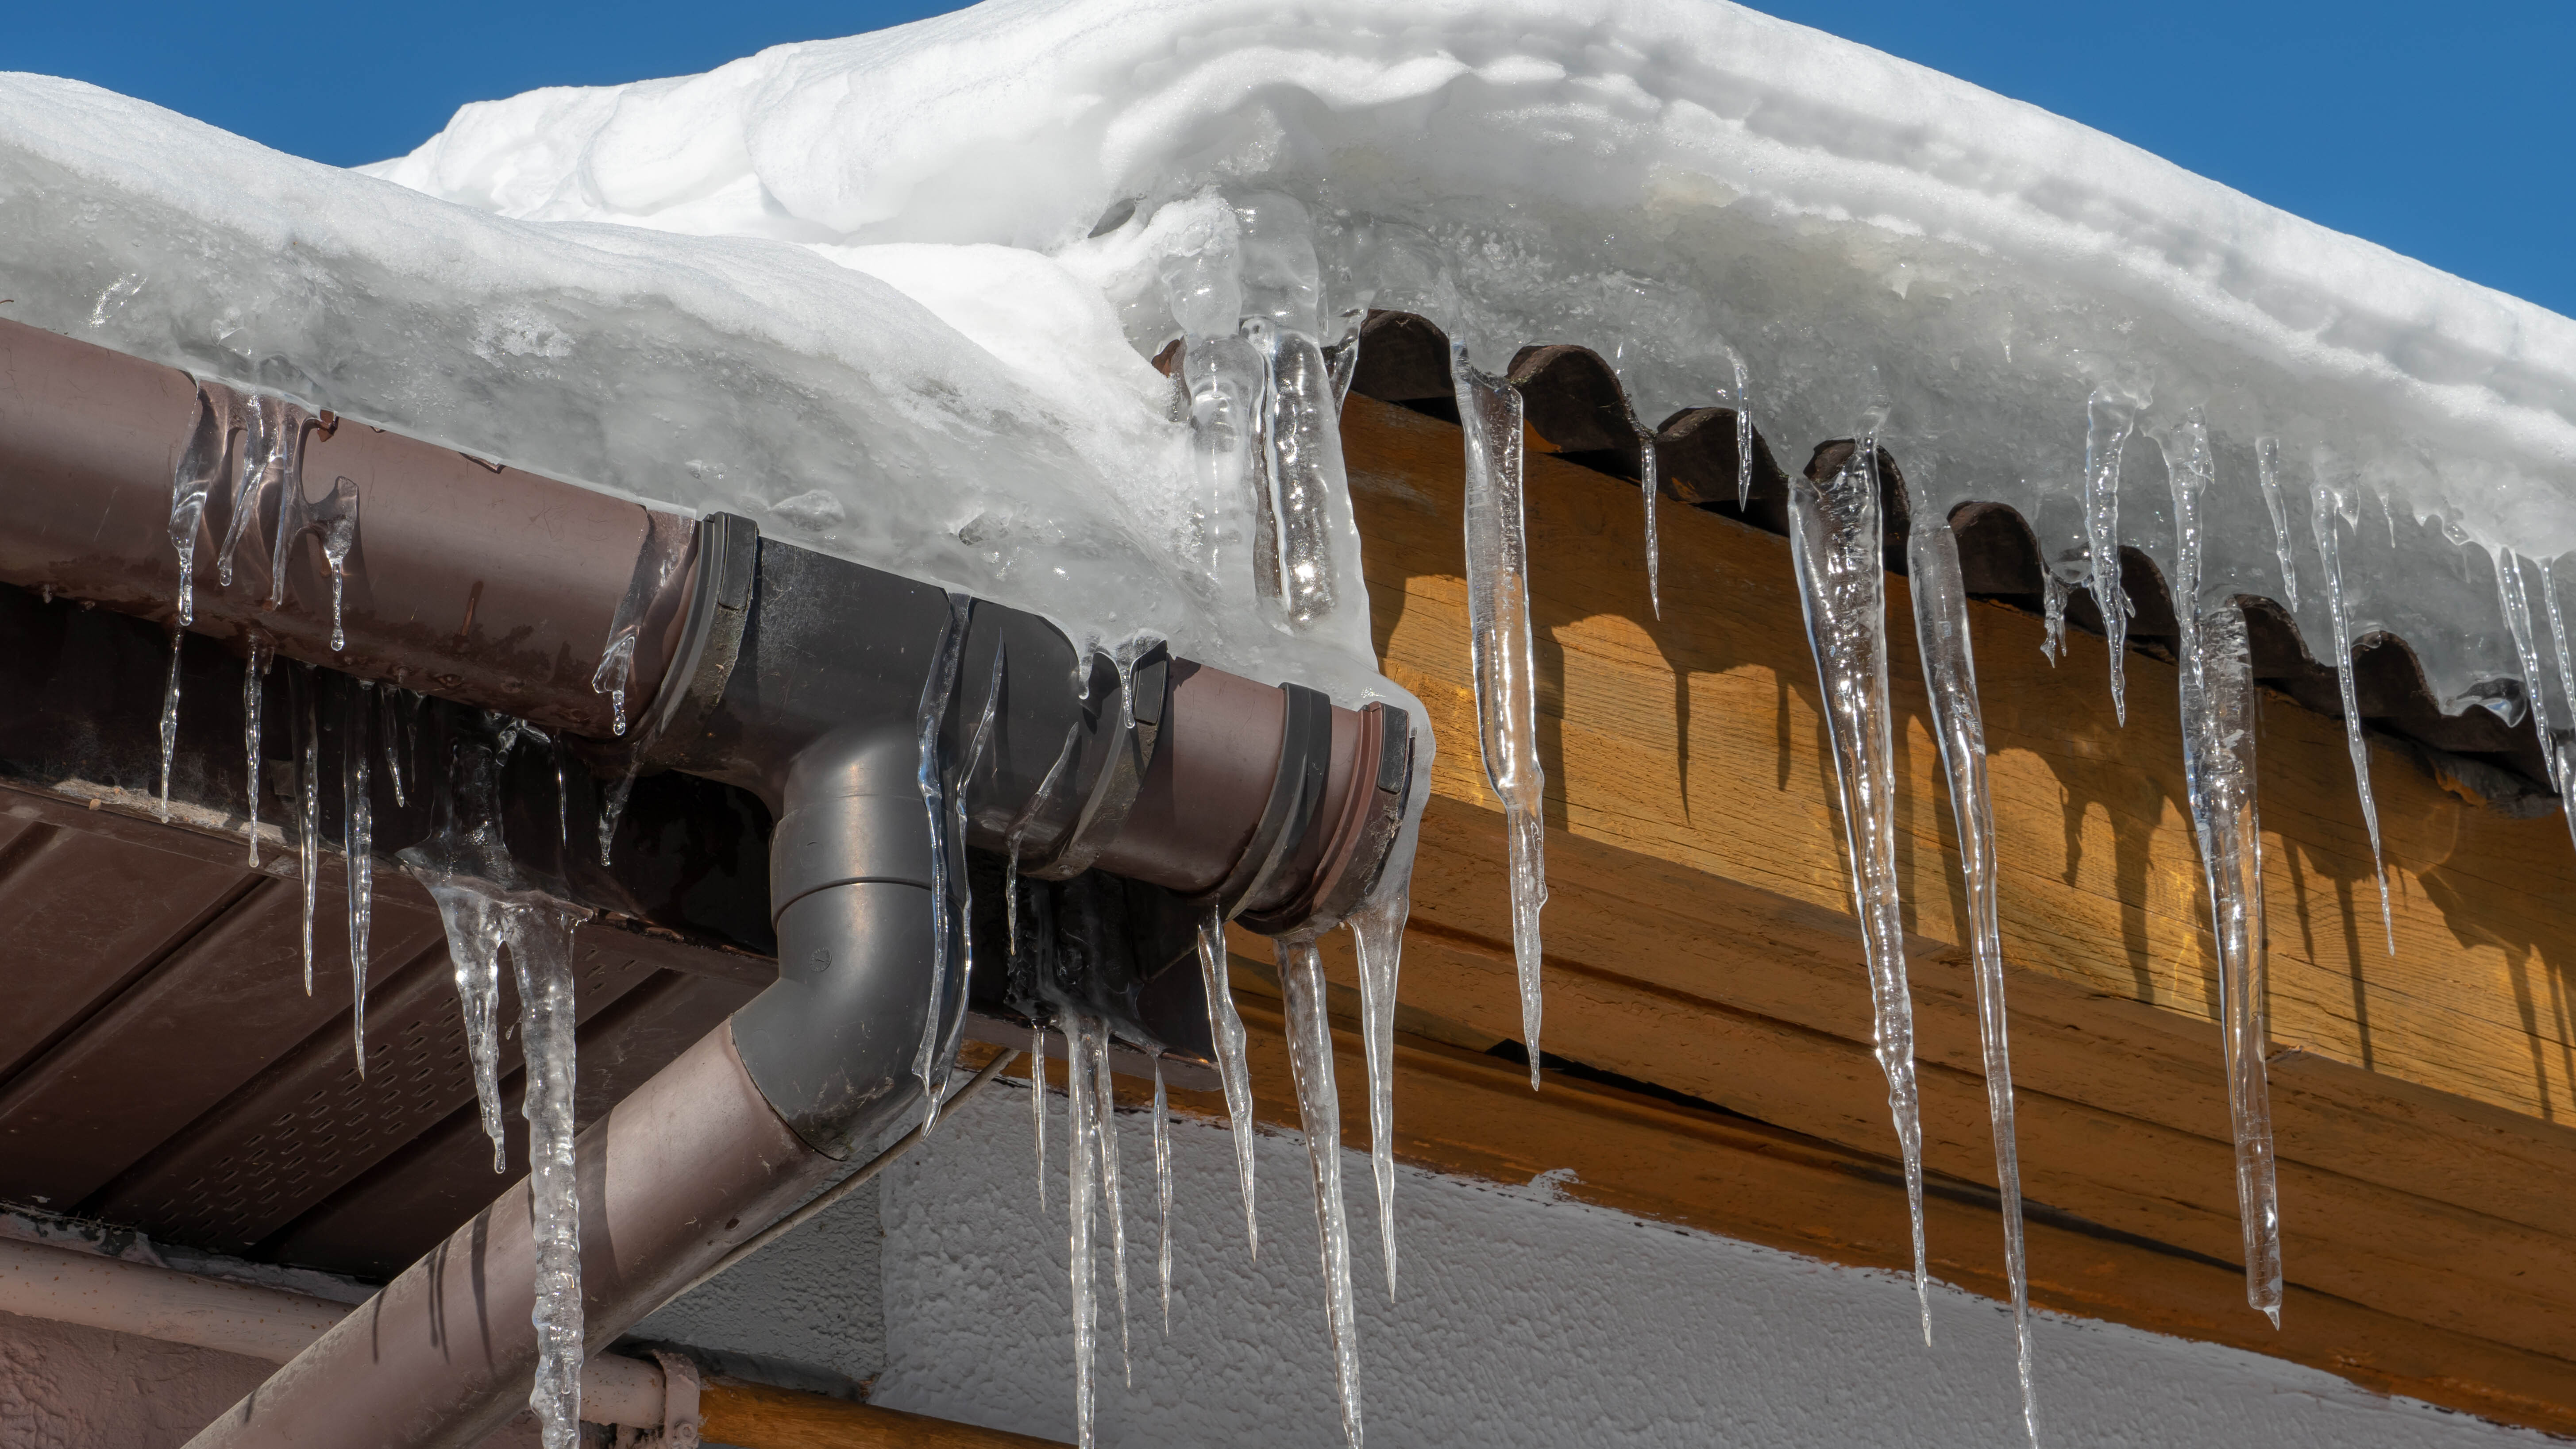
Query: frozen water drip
{"points": [[1958, 723], [1377, 936], [357, 850], [2328, 505], [1498, 618], [1319, 1114], [1234, 1072], [2218, 735], [1842, 589]]}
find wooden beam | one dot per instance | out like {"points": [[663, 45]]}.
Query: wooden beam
{"points": [[1700, 938], [756, 1416]]}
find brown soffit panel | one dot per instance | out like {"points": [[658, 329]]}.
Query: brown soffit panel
{"points": [[410, 1202]]}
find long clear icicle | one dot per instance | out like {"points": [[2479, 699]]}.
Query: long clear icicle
{"points": [[1743, 438], [1950, 676], [1842, 589], [2557, 740], [936, 691], [357, 851], [2566, 674], [2218, 735], [2108, 421], [1319, 1114], [1163, 1193], [2327, 506], [1498, 620], [474, 921], [1037, 1103], [1648, 485], [946, 1056], [190, 484], [1377, 935], [1104, 1137], [2267, 471], [541, 956], [1080, 1134], [254, 670], [1225, 1028], [170, 716], [308, 791]]}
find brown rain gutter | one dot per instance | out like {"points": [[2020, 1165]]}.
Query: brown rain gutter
{"points": [[497, 588]]}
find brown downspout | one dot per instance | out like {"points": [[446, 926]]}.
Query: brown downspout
{"points": [[496, 588]]}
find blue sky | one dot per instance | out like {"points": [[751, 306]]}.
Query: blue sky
{"points": [[2446, 133]]}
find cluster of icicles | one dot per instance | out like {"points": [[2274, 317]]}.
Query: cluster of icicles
{"points": [[1263, 402], [1254, 409], [482, 898]]}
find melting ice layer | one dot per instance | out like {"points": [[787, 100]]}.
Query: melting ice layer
{"points": [[1950, 678], [1842, 589], [2218, 733]]}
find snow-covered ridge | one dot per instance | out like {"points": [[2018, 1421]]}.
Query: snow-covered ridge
{"points": [[1677, 185]]}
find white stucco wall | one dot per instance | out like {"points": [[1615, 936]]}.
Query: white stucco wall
{"points": [[1523, 1320]]}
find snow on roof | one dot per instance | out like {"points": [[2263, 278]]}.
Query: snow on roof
{"points": [[942, 252]]}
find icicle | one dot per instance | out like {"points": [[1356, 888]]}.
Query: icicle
{"points": [[1163, 1193], [2218, 733], [335, 518], [1104, 1137], [2052, 638], [2328, 504], [1078, 1159], [2108, 421], [308, 786], [1342, 359], [936, 691], [2267, 465], [1647, 485], [473, 916], [2557, 740], [272, 442], [1319, 1113], [1305, 440], [190, 484], [1377, 934], [612, 808], [1950, 676], [957, 788], [1225, 1028], [1037, 1103], [1028, 817], [1743, 439], [170, 716], [1498, 607], [2566, 680], [357, 849], [253, 671], [1842, 588], [657, 561], [388, 729], [541, 942]]}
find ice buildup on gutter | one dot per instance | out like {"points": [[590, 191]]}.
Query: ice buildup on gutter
{"points": [[894, 297]]}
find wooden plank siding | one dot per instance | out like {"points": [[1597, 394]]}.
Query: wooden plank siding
{"points": [[1700, 939]]}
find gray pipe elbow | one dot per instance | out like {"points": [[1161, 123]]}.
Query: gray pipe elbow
{"points": [[832, 1043]]}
